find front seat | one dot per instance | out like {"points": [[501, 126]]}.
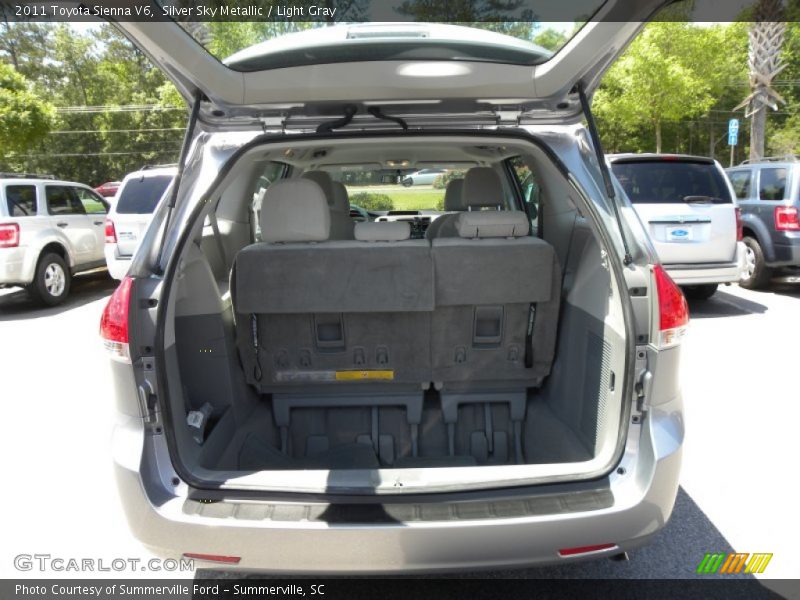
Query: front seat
{"points": [[336, 194]]}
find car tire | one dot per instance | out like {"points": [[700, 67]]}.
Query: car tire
{"points": [[757, 273], [408, 182], [700, 292], [52, 280]]}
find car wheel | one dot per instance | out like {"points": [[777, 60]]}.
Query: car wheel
{"points": [[700, 292], [408, 182], [52, 280], [757, 274]]}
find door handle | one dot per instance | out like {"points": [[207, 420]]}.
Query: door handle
{"points": [[99, 222], [62, 224]]}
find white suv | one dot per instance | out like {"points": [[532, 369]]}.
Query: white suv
{"points": [[134, 203], [49, 230]]}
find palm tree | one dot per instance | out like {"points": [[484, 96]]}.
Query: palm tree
{"points": [[764, 60]]}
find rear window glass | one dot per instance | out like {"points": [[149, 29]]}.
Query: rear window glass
{"points": [[21, 200], [772, 184], [140, 196], [662, 182]]}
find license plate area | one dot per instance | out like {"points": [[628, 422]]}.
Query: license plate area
{"points": [[679, 233]]}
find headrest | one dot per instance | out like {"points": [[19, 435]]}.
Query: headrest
{"points": [[295, 210], [452, 195], [324, 181], [482, 187], [341, 200], [383, 231], [492, 224]]}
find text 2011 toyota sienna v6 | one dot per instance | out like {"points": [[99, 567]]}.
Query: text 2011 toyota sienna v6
{"points": [[484, 376]]}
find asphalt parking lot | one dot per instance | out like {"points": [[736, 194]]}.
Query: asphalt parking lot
{"points": [[740, 365]]}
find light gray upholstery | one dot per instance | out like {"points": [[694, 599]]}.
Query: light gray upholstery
{"points": [[492, 224], [444, 226], [339, 203], [334, 277], [453, 195], [294, 210], [341, 200], [484, 290], [383, 231], [482, 187], [331, 306], [324, 181]]}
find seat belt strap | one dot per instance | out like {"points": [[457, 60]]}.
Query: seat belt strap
{"points": [[529, 337], [256, 349], [212, 218]]}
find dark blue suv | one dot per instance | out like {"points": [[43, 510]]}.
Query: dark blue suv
{"points": [[769, 197]]}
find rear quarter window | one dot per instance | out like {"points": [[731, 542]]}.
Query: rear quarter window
{"points": [[140, 195], [21, 200], [741, 181], [671, 182], [772, 184]]}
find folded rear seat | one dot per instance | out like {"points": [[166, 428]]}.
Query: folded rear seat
{"points": [[333, 323], [494, 327]]}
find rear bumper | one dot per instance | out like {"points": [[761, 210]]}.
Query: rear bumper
{"points": [[14, 270], [786, 251], [702, 273], [640, 503], [117, 265]]}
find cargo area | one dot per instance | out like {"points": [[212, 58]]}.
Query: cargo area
{"points": [[315, 344]]}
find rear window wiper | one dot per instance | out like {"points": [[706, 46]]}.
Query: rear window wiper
{"points": [[702, 200]]}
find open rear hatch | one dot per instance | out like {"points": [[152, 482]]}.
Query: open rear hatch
{"points": [[488, 76]]}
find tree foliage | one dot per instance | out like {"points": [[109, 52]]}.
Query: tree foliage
{"points": [[24, 117], [672, 72]]}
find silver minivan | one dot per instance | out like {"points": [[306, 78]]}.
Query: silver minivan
{"points": [[300, 392]]}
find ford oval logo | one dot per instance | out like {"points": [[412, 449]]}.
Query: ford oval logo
{"points": [[679, 232]]}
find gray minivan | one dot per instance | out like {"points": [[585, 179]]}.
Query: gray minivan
{"points": [[769, 196], [313, 395]]}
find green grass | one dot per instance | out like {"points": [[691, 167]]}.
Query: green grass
{"points": [[412, 198]]}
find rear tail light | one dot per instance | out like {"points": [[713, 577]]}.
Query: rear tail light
{"points": [[111, 233], [585, 549], [786, 218], [739, 233], [673, 312], [9, 235], [114, 322]]}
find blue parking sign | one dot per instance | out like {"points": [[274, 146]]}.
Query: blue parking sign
{"points": [[733, 132]]}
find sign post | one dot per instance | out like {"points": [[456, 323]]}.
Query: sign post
{"points": [[733, 137]]}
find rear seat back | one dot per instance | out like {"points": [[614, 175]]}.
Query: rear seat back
{"points": [[495, 323], [489, 281], [332, 315]]}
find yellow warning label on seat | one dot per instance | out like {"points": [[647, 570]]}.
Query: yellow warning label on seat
{"points": [[364, 375]]}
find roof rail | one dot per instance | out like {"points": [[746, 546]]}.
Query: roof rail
{"points": [[26, 176], [785, 158], [148, 167]]}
